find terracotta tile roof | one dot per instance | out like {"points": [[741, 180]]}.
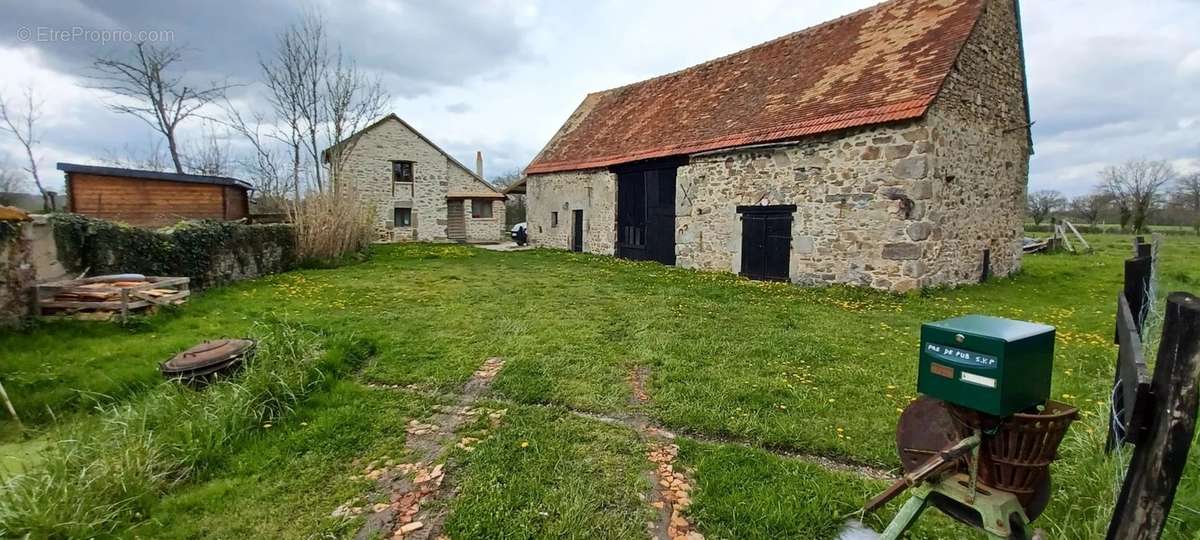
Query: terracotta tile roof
{"points": [[881, 64]]}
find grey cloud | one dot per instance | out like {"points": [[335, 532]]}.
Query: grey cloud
{"points": [[417, 45]]}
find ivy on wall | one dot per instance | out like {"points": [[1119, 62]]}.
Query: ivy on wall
{"points": [[209, 252]]}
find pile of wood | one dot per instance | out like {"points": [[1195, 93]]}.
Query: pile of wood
{"points": [[107, 296]]}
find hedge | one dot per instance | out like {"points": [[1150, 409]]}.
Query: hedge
{"points": [[209, 252]]}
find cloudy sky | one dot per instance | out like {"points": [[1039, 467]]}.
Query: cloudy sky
{"points": [[1109, 79]]}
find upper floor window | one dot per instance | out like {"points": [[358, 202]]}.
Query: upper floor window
{"points": [[481, 208], [402, 171]]}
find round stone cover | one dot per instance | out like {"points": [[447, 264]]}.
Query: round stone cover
{"points": [[208, 357]]}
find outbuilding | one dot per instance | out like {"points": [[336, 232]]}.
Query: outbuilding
{"points": [[887, 148], [152, 198]]}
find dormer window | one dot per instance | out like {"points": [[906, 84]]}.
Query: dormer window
{"points": [[402, 171]]}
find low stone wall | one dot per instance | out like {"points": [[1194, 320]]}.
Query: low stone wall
{"points": [[16, 267], [211, 253]]}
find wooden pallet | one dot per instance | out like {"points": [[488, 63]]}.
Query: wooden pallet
{"points": [[106, 294]]}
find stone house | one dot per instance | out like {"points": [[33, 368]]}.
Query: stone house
{"points": [[887, 148], [419, 191]]}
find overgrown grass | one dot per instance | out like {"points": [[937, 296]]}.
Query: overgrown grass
{"points": [[101, 476], [286, 482], [773, 364]]}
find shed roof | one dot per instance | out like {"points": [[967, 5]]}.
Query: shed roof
{"points": [[153, 175], [881, 64]]}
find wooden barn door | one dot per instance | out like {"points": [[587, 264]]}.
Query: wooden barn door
{"points": [[456, 224], [646, 210], [766, 241]]}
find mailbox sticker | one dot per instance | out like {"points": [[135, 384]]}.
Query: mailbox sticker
{"points": [[944, 371], [978, 379], [961, 357]]}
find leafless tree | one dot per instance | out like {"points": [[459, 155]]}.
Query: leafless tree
{"points": [[12, 185], [319, 97], [1187, 191], [1043, 203], [515, 206], [273, 179], [1137, 186], [209, 155], [22, 125], [288, 75], [1089, 207], [150, 158], [151, 92], [353, 100]]}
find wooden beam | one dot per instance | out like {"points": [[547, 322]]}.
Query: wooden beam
{"points": [[1158, 462]]}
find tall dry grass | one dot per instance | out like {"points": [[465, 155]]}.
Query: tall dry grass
{"points": [[331, 224], [104, 473]]}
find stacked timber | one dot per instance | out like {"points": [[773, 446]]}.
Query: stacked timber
{"points": [[105, 296]]}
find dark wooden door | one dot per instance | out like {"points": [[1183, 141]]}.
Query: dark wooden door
{"points": [[631, 216], [660, 215], [577, 230], [646, 210], [766, 241]]}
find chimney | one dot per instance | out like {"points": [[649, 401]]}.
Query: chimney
{"points": [[479, 163]]}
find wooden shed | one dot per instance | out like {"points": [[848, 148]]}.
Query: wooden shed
{"points": [[153, 198]]}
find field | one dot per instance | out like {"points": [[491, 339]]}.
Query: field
{"points": [[748, 373]]}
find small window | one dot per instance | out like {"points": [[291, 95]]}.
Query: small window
{"points": [[553, 219], [402, 171], [402, 217], [481, 209]]}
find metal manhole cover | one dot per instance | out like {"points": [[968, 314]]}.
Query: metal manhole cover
{"points": [[208, 358]]}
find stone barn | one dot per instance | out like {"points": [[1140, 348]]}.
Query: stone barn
{"points": [[887, 148]]}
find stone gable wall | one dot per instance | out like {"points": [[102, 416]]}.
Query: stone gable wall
{"points": [[369, 168], [594, 192], [982, 153]]}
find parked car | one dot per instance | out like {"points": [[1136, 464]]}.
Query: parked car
{"points": [[519, 234]]}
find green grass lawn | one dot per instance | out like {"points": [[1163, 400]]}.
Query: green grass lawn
{"points": [[823, 371]]}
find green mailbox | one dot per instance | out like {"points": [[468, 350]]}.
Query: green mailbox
{"points": [[988, 364]]}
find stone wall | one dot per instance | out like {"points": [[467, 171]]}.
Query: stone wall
{"points": [[17, 277], [369, 167], [209, 252], [594, 192], [860, 203]]}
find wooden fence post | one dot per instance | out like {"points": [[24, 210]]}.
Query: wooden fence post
{"points": [[1158, 461]]}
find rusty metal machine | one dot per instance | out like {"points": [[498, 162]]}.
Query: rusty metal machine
{"points": [[978, 443]]}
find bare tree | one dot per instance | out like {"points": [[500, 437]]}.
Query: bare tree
{"points": [[287, 74], [272, 178], [320, 96], [515, 205], [209, 155], [1089, 207], [152, 93], [353, 100], [12, 185], [150, 158], [1137, 187], [1043, 203], [1187, 191], [22, 125]]}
